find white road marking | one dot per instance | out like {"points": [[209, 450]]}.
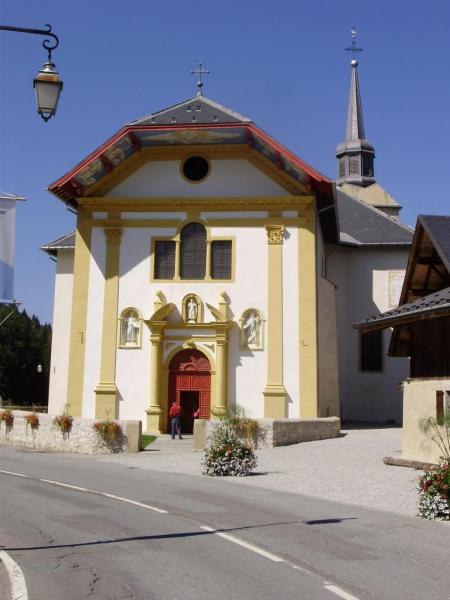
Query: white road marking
{"points": [[15, 474], [66, 485], [18, 580], [239, 542], [341, 593], [15, 574], [147, 506]]}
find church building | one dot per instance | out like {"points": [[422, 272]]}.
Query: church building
{"points": [[197, 274], [368, 268]]}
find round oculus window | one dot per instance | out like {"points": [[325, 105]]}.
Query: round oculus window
{"points": [[195, 168]]}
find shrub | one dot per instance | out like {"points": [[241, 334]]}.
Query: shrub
{"points": [[108, 430], [227, 455], [7, 417], [64, 422], [32, 420], [438, 429], [242, 424], [434, 492]]}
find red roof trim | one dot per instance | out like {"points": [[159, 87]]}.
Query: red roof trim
{"points": [[58, 186]]}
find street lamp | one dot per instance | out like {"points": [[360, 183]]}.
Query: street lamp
{"points": [[47, 83]]}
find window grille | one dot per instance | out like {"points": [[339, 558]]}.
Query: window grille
{"points": [[193, 252], [164, 260], [221, 259], [372, 351], [342, 167]]}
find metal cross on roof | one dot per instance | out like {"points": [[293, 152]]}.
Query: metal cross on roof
{"points": [[354, 48], [200, 72]]}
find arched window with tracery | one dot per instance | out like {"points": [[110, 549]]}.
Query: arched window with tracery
{"points": [[193, 251]]}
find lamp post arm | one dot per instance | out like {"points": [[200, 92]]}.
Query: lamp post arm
{"points": [[48, 44]]}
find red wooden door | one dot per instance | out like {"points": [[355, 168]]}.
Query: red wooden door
{"points": [[190, 371]]}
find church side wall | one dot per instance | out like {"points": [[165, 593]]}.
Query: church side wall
{"points": [[363, 280], [93, 337], [62, 311]]}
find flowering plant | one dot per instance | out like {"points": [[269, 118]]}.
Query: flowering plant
{"points": [[7, 417], [32, 420], [227, 454], [108, 430], [64, 422], [434, 492]]}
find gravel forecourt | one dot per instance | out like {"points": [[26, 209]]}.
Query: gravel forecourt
{"points": [[347, 469]]}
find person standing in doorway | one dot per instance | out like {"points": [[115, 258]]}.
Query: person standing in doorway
{"points": [[175, 414]]}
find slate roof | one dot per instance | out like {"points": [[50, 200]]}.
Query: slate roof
{"points": [[199, 110], [438, 230], [364, 225], [63, 243], [438, 302]]}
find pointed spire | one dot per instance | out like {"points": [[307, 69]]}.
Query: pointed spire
{"points": [[355, 155], [355, 123]]}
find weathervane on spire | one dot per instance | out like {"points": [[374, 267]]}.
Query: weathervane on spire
{"points": [[354, 48], [200, 72]]}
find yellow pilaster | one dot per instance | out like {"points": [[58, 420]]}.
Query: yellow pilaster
{"points": [[220, 405], [79, 314], [274, 391], [208, 258], [154, 410], [106, 390], [308, 318]]}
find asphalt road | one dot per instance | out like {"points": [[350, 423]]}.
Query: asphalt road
{"points": [[216, 540]]}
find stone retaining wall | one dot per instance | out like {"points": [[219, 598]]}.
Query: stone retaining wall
{"points": [[277, 432], [82, 437]]}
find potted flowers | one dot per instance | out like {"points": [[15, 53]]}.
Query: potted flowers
{"points": [[7, 417], [109, 431]]}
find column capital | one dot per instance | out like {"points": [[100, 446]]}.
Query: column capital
{"points": [[275, 233], [113, 235]]}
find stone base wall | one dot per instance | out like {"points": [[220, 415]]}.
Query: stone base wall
{"points": [[277, 432], [81, 438]]}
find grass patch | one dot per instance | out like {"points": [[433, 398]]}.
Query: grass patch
{"points": [[147, 440]]}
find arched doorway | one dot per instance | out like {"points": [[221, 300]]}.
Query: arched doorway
{"points": [[190, 386]]}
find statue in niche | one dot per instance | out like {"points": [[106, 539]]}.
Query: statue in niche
{"points": [[131, 328], [251, 328], [191, 310]]}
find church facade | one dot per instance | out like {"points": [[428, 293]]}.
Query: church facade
{"points": [[197, 274]]}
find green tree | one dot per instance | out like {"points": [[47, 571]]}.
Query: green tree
{"points": [[24, 344]]}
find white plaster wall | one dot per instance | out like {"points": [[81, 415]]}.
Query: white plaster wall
{"points": [[247, 369], [133, 365], [62, 313], [291, 367], [226, 178], [419, 397], [93, 334], [361, 275]]}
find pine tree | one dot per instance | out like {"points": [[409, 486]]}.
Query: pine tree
{"points": [[24, 344]]}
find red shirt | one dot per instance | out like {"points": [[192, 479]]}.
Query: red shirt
{"points": [[175, 410]]}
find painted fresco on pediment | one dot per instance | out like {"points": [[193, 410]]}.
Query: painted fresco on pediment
{"points": [[188, 136], [91, 173], [119, 152]]}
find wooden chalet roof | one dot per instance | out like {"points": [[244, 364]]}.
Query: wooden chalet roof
{"points": [[426, 288]]}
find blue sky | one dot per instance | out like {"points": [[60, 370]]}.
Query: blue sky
{"points": [[281, 63]]}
